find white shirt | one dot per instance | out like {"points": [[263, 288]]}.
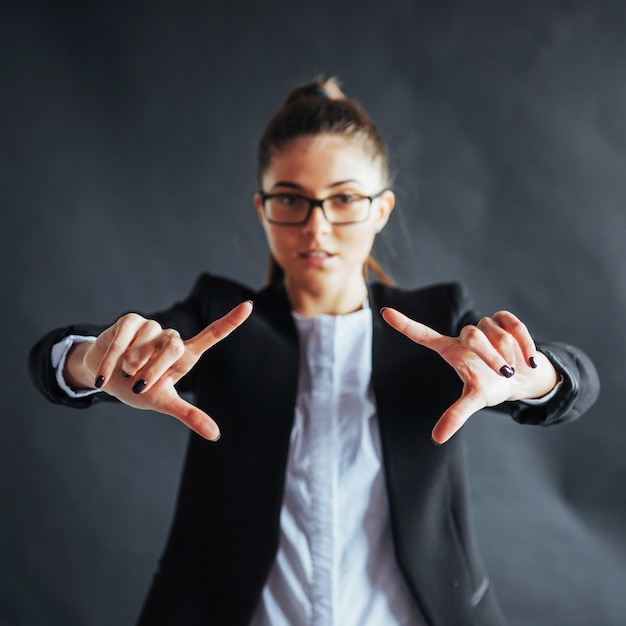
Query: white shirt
{"points": [[335, 564]]}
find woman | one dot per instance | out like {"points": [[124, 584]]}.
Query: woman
{"points": [[325, 500]]}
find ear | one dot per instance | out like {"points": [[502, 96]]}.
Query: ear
{"points": [[258, 205], [384, 207]]}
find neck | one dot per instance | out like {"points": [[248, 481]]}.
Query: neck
{"points": [[326, 301]]}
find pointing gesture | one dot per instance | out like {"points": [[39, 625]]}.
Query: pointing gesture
{"points": [[496, 360], [138, 362]]}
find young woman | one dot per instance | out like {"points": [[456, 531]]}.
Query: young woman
{"points": [[325, 500]]}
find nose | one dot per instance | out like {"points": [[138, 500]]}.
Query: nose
{"points": [[317, 221]]}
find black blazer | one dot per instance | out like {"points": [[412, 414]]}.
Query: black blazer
{"points": [[224, 535]]}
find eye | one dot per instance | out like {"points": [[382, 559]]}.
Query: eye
{"points": [[347, 198], [287, 199]]}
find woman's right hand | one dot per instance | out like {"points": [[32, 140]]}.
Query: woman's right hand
{"points": [[138, 362]]}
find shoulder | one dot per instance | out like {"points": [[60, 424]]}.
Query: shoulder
{"points": [[450, 294], [216, 294], [443, 306], [211, 285], [209, 298], [213, 296]]}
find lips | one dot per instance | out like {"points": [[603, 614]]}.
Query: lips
{"points": [[316, 254], [316, 258]]}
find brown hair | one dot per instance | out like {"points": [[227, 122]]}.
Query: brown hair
{"points": [[314, 109]]}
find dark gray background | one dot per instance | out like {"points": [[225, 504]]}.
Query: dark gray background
{"points": [[127, 145]]}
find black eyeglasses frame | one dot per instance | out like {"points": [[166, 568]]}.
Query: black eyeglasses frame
{"points": [[314, 202]]}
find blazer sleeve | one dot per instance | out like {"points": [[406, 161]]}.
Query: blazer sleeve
{"points": [[43, 374], [578, 392]]}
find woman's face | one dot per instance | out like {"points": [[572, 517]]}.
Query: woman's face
{"points": [[318, 255]]}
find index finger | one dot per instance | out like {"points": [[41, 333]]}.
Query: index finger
{"points": [[220, 328], [416, 331]]}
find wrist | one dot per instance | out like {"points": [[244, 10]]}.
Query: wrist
{"points": [[542, 380], [75, 372]]}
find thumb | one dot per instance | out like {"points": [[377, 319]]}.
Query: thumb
{"points": [[455, 417], [192, 417]]}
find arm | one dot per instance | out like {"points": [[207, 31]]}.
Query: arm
{"points": [[500, 366], [136, 361], [188, 317]]}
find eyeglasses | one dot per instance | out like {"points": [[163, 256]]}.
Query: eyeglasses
{"points": [[292, 209]]}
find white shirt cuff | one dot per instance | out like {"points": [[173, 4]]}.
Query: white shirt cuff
{"points": [[58, 356]]}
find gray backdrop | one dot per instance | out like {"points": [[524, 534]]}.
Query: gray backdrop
{"points": [[127, 143]]}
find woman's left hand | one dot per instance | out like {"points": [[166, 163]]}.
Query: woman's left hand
{"points": [[496, 360]]}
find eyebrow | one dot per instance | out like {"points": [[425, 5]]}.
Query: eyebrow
{"points": [[291, 185]]}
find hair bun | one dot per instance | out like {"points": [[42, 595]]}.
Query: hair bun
{"points": [[321, 88], [315, 90]]}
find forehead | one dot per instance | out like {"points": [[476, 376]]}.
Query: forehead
{"points": [[322, 160]]}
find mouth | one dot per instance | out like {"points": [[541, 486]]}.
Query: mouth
{"points": [[316, 258], [316, 254]]}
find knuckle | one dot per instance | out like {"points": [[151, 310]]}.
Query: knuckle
{"points": [[504, 343], [152, 327], [129, 319], [117, 345], [484, 321], [501, 315], [506, 318], [131, 362], [470, 334], [518, 327], [215, 330], [173, 342]]}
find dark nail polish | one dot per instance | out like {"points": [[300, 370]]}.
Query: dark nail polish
{"points": [[532, 362], [99, 381], [139, 386], [507, 371]]}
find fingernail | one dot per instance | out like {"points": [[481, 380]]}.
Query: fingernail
{"points": [[532, 362], [507, 371], [125, 375], [139, 386], [217, 438], [250, 302], [435, 442], [99, 381], [381, 311]]}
